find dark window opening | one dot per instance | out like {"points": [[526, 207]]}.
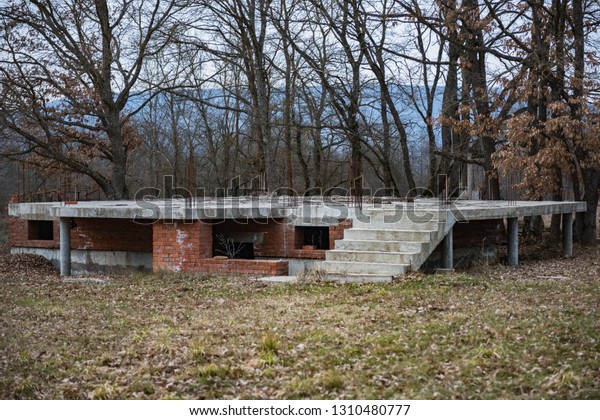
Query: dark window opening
{"points": [[42, 230], [317, 236], [226, 246]]}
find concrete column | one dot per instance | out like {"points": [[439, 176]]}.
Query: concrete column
{"points": [[567, 234], [448, 251], [513, 241], [65, 246]]}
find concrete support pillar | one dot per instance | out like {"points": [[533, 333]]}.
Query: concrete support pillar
{"points": [[513, 241], [65, 246], [567, 234], [448, 251]]}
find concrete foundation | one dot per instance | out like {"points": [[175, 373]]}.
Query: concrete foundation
{"points": [[91, 262], [298, 266]]}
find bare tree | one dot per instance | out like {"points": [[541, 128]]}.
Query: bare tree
{"points": [[71, 80]]}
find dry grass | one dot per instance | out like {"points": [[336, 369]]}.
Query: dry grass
{"points": [[498, 333]]}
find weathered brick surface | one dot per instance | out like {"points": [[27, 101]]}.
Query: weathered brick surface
{"points": [[252, 267], [337, 232], [18, 235], [180, 246], [188, 247], [183, 246], [281, 240], [90, 234], [276, 237], [111, 235]]}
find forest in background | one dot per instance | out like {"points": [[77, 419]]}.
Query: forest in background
{"points": [[111, 96]]}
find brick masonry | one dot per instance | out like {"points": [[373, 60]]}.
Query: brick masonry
{"points": [[252, 267], [189, 247], [87, 234], [278, 239], [181, 246], [18, 235]]}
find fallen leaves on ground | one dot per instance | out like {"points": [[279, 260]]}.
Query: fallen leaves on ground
{"points": [[505, 334], [489, 332], [25, 266]]}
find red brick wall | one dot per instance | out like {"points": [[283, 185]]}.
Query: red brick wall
{"points": [[188, 247], [111, 235], [337, 232], [92, 234], [281, 240], [18, 234], [252, 267], [277, 237], [180, 246]]}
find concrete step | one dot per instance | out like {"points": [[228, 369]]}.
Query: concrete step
{"points": [[371, 257], [404, 224], [382, 246], [359, 278], [392, 215], [344, 267], [389, 235]]}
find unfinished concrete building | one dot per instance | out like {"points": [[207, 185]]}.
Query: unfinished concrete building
{"points": [[273, 236]]}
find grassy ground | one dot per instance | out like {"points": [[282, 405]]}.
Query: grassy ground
{"points": [[491, 333]]}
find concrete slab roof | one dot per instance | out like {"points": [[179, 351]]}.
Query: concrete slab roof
{"points": [[301, 211]]}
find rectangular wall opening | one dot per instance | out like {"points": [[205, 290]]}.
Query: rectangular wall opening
{"points": [[230, 246], [317, 236], [42, 230]]}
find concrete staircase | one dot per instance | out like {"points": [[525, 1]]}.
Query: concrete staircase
{"points": [[386, 244]]}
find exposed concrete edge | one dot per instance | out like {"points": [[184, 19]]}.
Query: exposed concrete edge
{"points": [[519, 209], [278, 279], [359, 278], [307, 214], [94, 262], [448, 224]]}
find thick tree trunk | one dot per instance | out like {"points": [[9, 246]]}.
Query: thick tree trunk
{"points": [[590, 175], [302, 161], [287, 120], [112, 113], [356, 175], [320, 176], [450, 109], [478, 76], [119, 163]]}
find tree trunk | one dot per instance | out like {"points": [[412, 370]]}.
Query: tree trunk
{"points": [[450, 109], [475, 60], [113, 120]]}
